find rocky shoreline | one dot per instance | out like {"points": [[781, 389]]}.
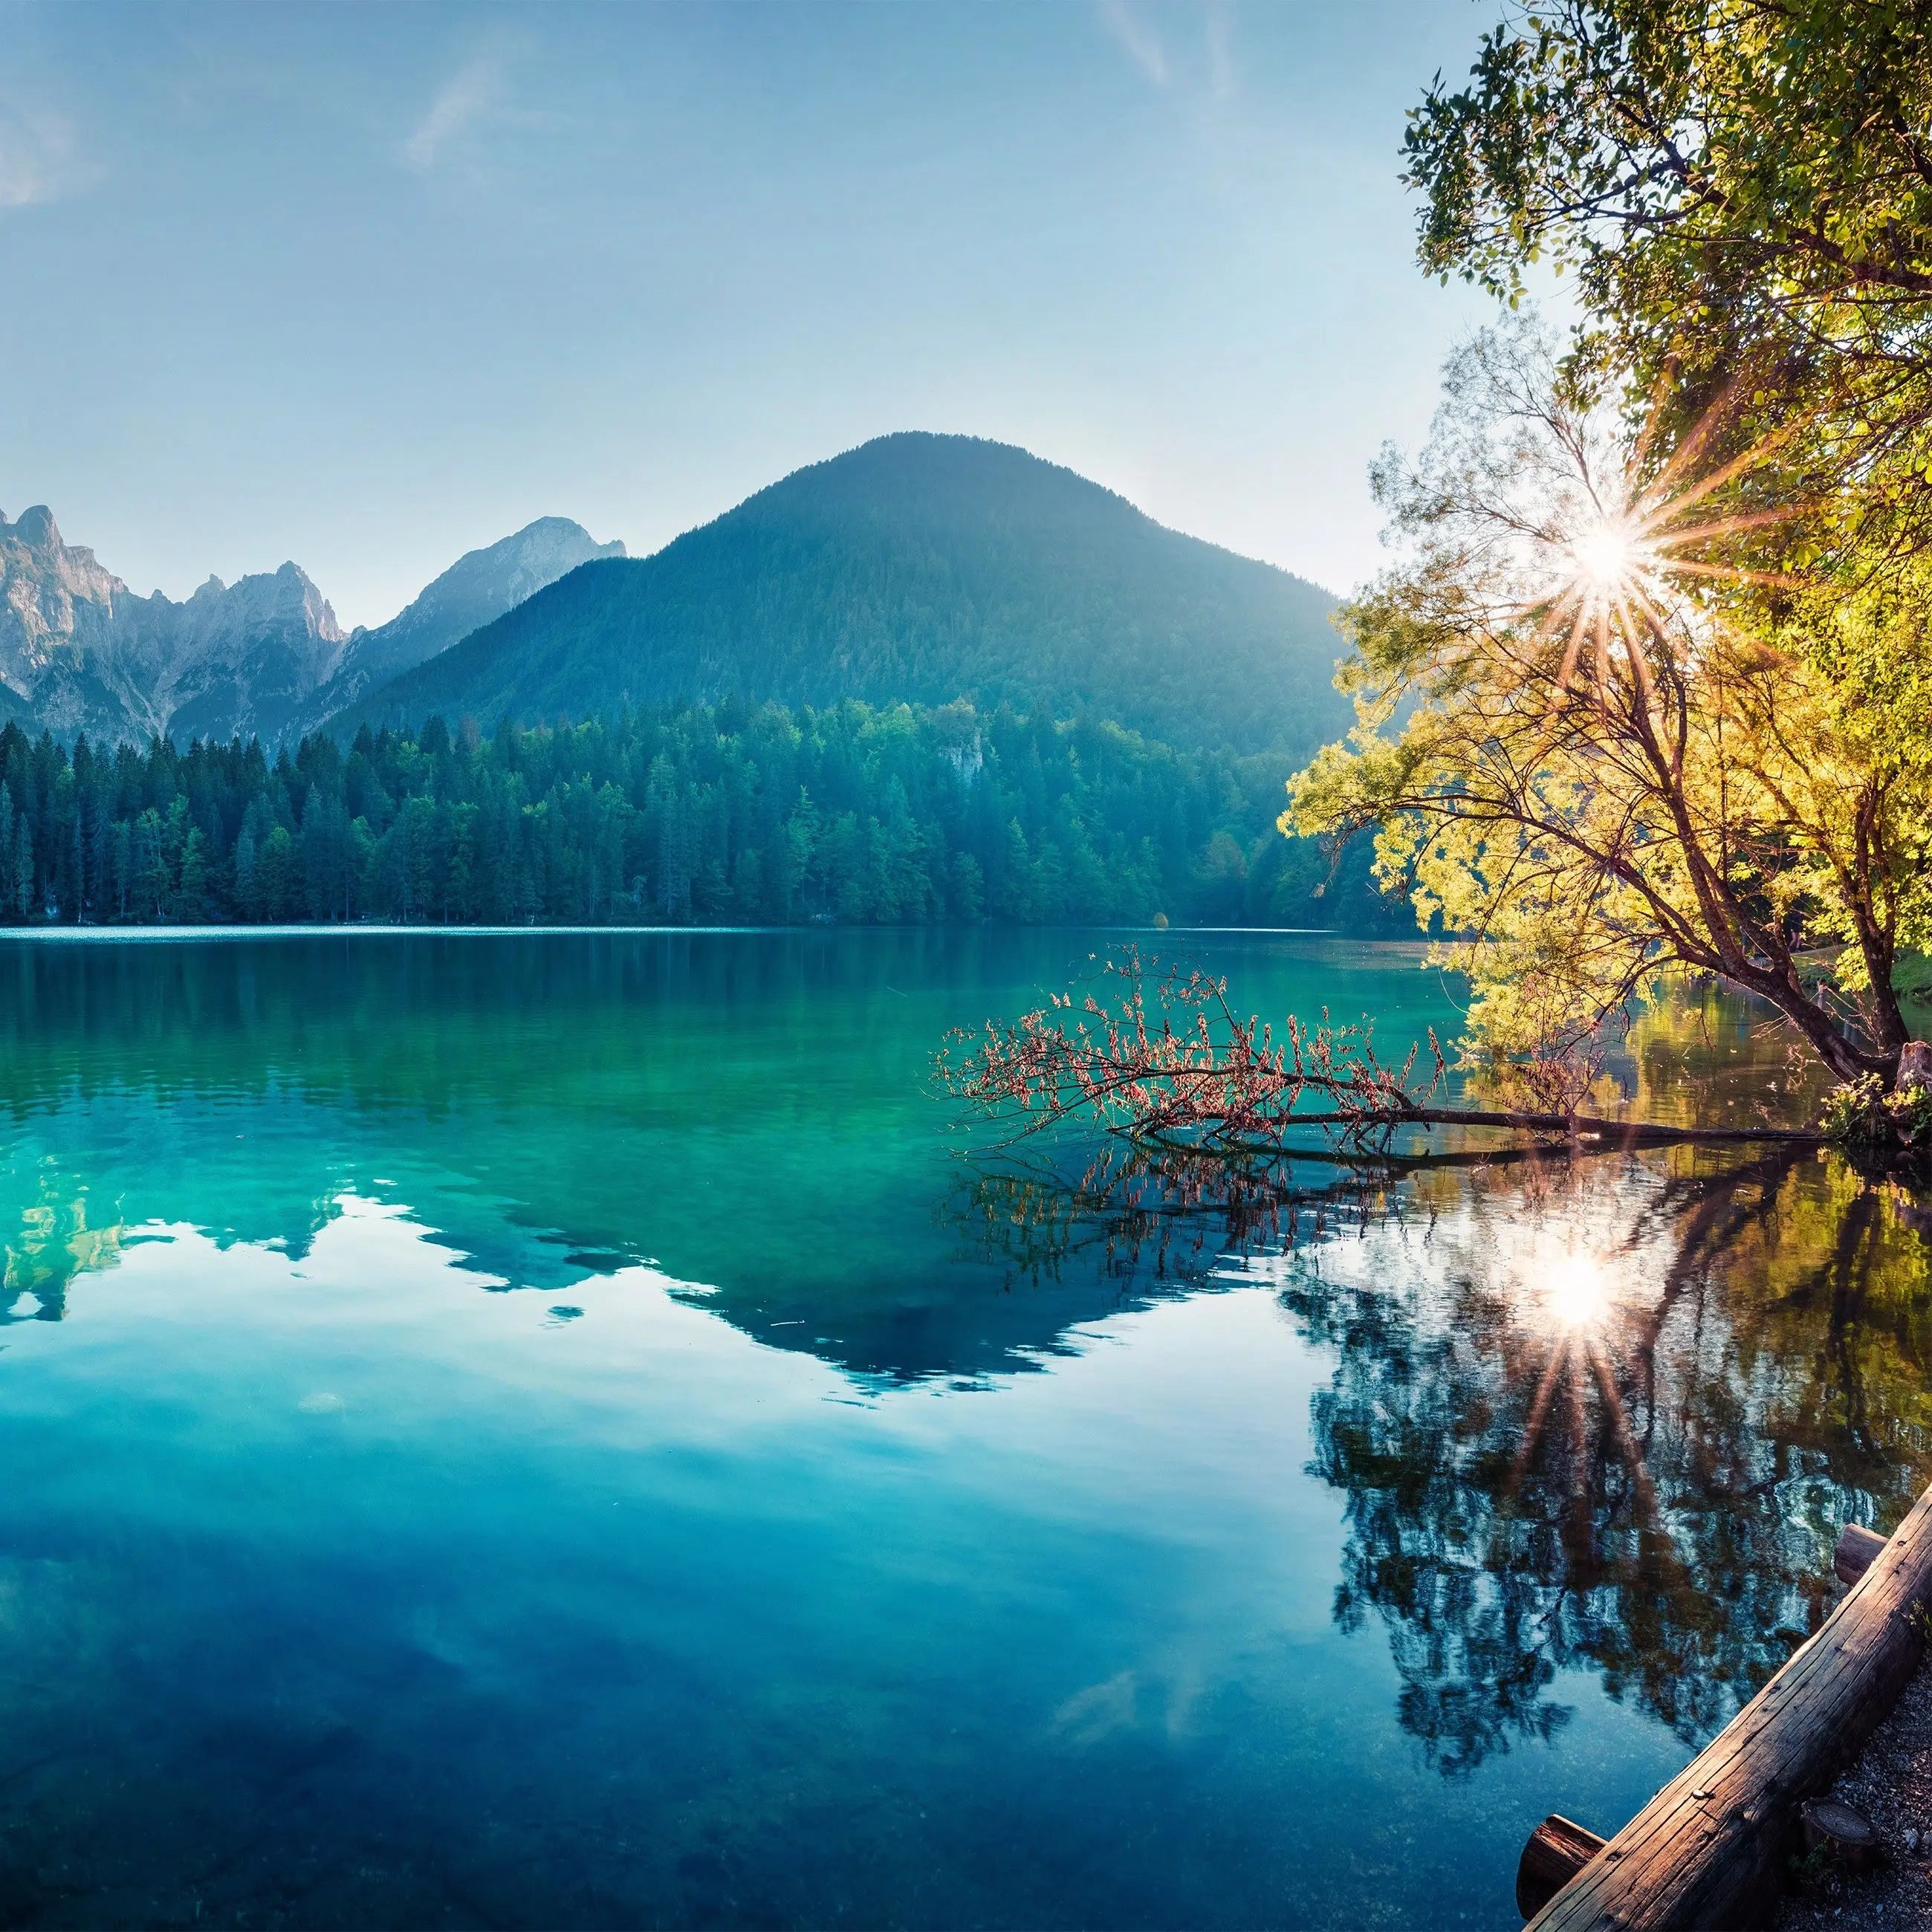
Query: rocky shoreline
{"points": [[1890, 1783]]}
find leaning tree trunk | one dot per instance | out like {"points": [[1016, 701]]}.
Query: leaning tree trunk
{"points": [[1710, 1849]]}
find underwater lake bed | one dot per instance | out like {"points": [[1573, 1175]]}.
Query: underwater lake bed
{"points": [[546, 1429]]}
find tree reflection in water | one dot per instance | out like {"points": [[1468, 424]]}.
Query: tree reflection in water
{"points": [[1607, 1414], [48, 1236]]}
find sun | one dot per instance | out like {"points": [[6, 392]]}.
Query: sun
{"points": [[1612, 557], [1606, 552]]}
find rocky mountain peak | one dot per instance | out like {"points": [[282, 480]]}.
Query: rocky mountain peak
{"points": [[262, 655], [36, 529], [476, 589]]}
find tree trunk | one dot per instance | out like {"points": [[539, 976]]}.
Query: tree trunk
{"points": [[1846, 1836], [1858, 1548], [1558, 1848], [1710, 1849]]}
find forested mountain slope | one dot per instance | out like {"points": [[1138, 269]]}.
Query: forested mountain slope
{"points": [[919, 568]]}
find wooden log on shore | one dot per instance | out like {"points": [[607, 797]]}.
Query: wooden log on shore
{"points": [[1858, 1548], [1709, 1849], [1558, 1848]]}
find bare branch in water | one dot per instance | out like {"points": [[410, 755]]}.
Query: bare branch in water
{"points": [[1177, 1065]]}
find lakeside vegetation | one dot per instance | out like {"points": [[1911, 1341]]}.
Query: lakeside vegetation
{"points": [[908, 815]]}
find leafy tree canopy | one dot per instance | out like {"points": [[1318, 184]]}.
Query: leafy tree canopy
{"points": [[1718, 170], [1647, 685], [1597, 753], [1745, 188]]}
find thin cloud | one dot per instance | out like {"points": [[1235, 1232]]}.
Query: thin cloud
{"points": [[468, 96], [1220, 51], [38, 161], [1138, 38]]}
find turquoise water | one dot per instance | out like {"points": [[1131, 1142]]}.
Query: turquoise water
{"points": [[540, 1430]]}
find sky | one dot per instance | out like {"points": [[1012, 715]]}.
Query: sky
{"points": [[367, 286]]}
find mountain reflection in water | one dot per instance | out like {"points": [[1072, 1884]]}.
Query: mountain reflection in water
{"points": [[1608, 1412]]}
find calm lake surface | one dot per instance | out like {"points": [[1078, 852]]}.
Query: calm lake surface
{"points": [[541, 1430]]}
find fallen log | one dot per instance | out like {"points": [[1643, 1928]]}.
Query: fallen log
{"points": [[1857, 1549], [1558, 1848], [1709, 1849]]}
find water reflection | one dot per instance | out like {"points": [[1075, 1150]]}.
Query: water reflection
{"points": [[1608, 1414], [412, 1557], [744, 1112], [48, 1235]]}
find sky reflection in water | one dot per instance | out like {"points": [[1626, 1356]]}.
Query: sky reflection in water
{"points": [[540, 1430]]}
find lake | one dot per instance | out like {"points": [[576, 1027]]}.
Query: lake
{"points": [[546, 1430]]}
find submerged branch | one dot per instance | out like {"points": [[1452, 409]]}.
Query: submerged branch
{"points": [[1589, 1127], [1176, 1067]]}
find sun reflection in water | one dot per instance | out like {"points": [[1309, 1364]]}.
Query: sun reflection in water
{"points": [[1576, 1294], [1574, 1311]]}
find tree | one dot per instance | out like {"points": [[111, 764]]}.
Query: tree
{"points": [[245, 899], [1746, 191], [276, 876], [9, 883], [153, 881], [1731, 177], [191, 901], [1607, 766]]}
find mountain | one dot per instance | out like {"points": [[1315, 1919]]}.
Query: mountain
{"points": [[922, 568], [79, 652], [480, 586]]}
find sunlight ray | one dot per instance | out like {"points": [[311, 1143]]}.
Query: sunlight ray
{"points": [[1619, 1424], [1539, 1408]]}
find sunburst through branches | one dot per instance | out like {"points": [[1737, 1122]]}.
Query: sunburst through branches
{"points": [[1619, 553]]}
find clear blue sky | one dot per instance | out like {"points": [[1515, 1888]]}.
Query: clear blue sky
{"points": [[366, 286]]}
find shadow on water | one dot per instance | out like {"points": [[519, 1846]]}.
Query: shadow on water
{"points": [[1608, 1414]]}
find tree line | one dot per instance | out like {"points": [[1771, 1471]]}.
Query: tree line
{"points": [[687, 815]]}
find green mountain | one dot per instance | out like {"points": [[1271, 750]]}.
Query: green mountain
{"points": [[918, 567]]}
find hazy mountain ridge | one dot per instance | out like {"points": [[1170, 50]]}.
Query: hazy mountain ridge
{"points": [[918, 567], [479, 586], [264, 656]]}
